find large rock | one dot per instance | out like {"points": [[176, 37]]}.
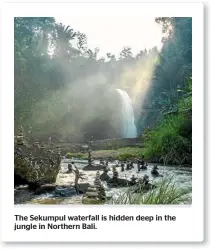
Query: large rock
{"points": [[93, 167], [119, 182], [83, 187], [35, 166], [105, 177]]}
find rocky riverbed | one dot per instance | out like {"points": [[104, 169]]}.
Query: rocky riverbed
{"points": [[63, 192]]}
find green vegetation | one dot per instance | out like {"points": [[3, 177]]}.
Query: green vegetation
{"points": [[167, 192], [167, 144], [48, 84], [69, 155], [49, 99], [128, 153], [119, 154], [171, 140]]}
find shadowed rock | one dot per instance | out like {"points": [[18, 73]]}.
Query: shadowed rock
{"points": [[144, 185], [93, 167], [34, 164], [119, 182], [155, 172]]}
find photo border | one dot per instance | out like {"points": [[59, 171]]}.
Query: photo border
{"points": [[189, 224]]}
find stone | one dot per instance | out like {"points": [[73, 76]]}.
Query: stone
{"points": [[133, 180], [122, 167], [90, 201], [91, 188], [119, 182], [115, 173], [154, 171], [91, 194], [128, 166], [93, 167], [35, 166], [83, 187], [145, 179], [70, 168], [97, 181], [99, 187], [20, 136], [101, 193], [104, 177]]}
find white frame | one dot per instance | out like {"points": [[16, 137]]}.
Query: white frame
{"points": [[189, 223]]}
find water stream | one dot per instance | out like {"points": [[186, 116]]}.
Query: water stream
{"points": [[64, 195]]}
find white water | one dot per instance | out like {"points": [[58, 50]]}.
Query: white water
{"points": [[129, 128]]}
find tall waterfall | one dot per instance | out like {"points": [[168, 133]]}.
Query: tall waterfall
{"points": [[129, 128]]}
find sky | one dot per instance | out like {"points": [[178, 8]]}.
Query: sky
{"points": [[111, 34]]}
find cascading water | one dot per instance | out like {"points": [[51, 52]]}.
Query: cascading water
{"points": [[129, 128]]}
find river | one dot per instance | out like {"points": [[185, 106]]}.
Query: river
{"points": [[182, 176]]}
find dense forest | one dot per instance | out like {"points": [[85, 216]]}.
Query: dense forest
{"points": [[64, 89]]}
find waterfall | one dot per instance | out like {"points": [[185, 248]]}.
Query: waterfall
{"points": [[129, 128]]}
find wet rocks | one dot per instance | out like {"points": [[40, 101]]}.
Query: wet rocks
{"points": [[119, 182], [34, 165], [91, 165], [122, 167], [155, 172], [100, 188], [91, 196], [83, 187], [144, 185], [70, 168], [133, 180], [96, 193], [104, 176], [22, 195], [45, 188], [115, 173]]}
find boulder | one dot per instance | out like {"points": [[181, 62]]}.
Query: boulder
{"points": [[92, 194], [119, 182], [104, 177], [93, 167], [83, 187], [35, 166]]}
